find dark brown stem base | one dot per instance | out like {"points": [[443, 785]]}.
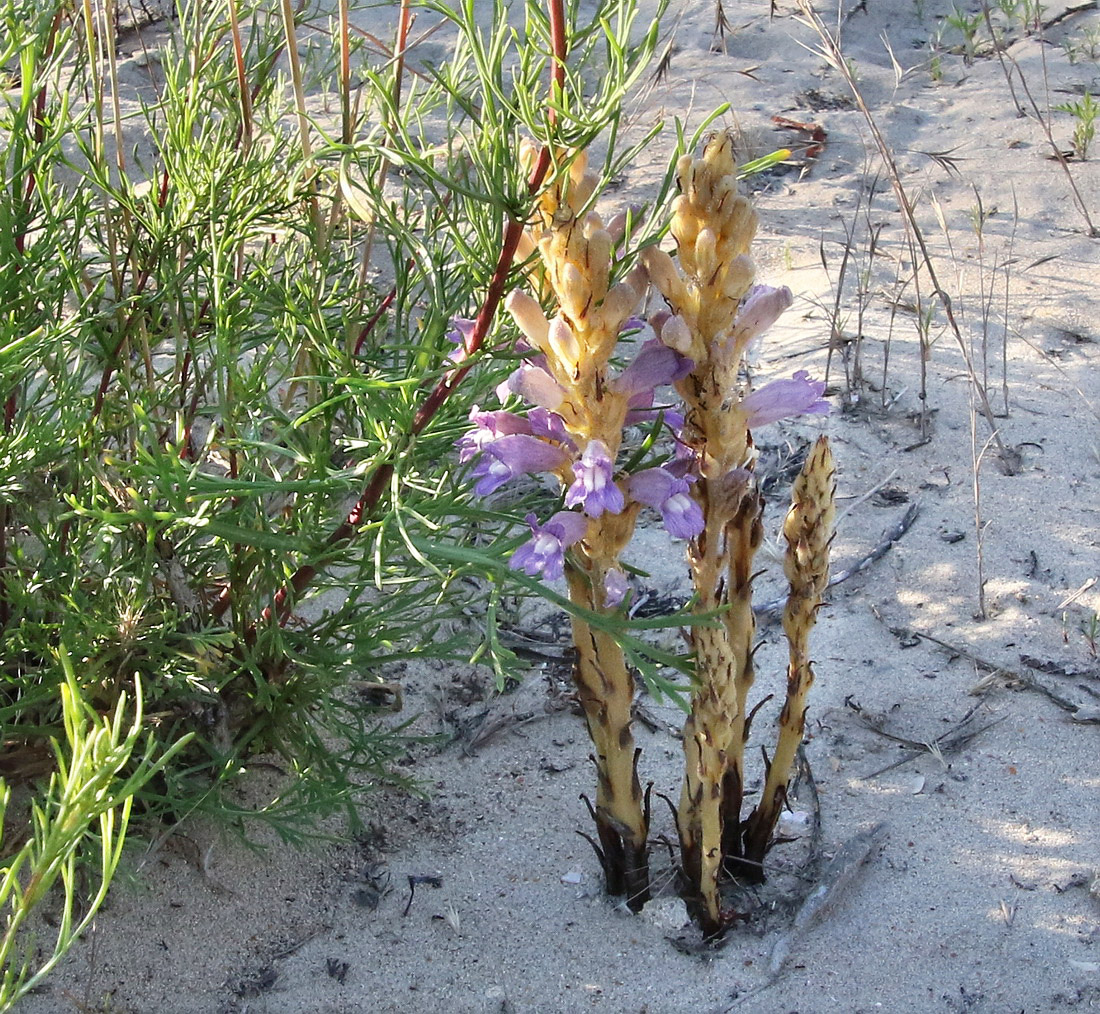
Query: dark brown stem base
{"points": [[625, 863], [697, 910], [758, 832]]}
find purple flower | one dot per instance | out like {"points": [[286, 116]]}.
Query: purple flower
{"points": [[614, 588], [460, 336], [512, 455], [654, 365], [657, 487], [761, 309], [533, 384], [544, 552], [550, 425], [594, 488], [783, 398], [489, 426], [640, 409]]}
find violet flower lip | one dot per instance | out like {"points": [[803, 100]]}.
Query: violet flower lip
{"points": [[512, 455], [594, 487], [654, 365], [550, 425], [489, 426], [544, 552], [658, 487], [782, 399]]}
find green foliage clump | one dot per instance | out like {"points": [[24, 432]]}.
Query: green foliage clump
{"points": [[229, 388]]}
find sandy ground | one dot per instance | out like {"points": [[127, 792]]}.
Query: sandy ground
{"points": [[975, 896]]}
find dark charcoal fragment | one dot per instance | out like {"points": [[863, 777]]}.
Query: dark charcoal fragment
{"points": [[254, 983], [336, 969]]}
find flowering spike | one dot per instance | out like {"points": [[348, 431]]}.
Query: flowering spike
{"points": [[580, 408], [809, 531]]}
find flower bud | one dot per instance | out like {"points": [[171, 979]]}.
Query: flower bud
{"points": [[706, 255], [525, 248], [739, 276], [573, 292], [620, 302], [599, 248], [615, 588], [617, 226], [684, 165], [527, 313], [725, 193], [528, 153], [663, 274], [676, 335], [761, 309], [563, 344], [581, 188]]}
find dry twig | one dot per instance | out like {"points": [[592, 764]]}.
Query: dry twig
{"points": [[1079, 711]]}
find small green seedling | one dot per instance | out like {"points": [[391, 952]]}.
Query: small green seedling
{"points": [[1011, 9], [966, 25], [1091, 630], [1033, 15], [1084, 111], [1086, 46]]}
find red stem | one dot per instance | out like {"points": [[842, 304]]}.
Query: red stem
{"points": [[368, 500], [11, 403], [369, 326], [403, 26]]}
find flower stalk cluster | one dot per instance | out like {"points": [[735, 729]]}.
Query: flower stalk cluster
{"points": [[707, 494], [716, 312], [573, 430]]}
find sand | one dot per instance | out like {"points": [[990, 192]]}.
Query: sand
{"points": [[975, 893]]}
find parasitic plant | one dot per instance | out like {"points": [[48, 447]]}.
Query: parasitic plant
{"points": [[716, 311], [808, 531], [574, 430], [707, 494]]}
